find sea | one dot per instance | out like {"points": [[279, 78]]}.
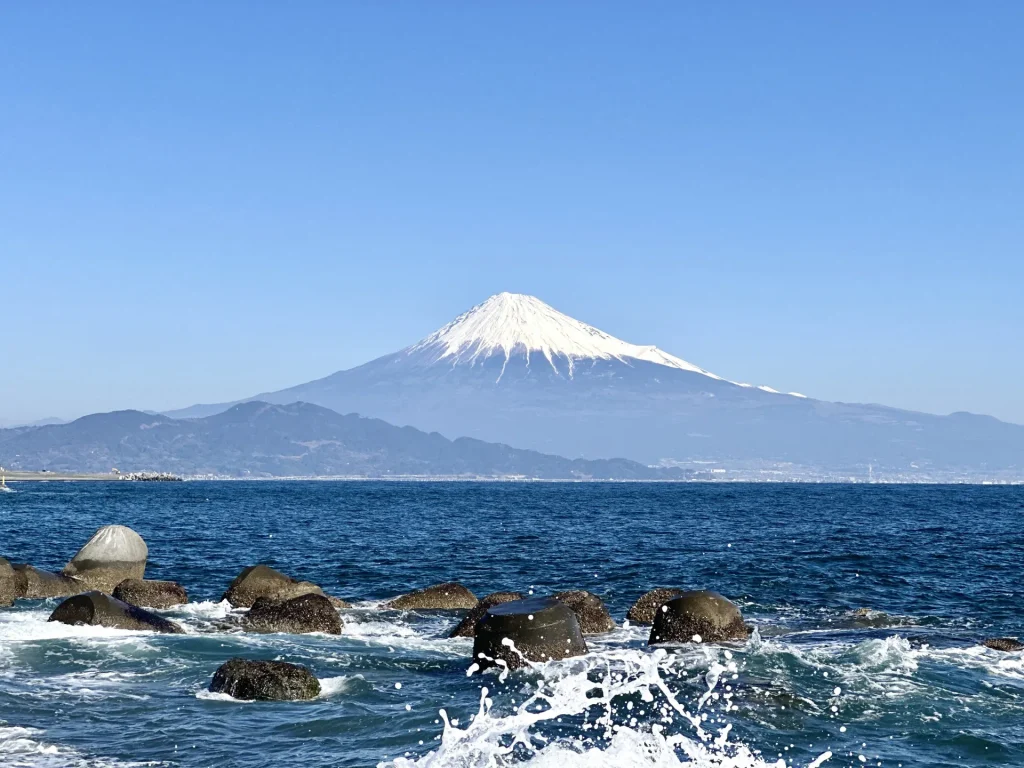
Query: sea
{"points": [[869, 603]]}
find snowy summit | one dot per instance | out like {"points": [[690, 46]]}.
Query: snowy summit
{"points": [[514, 323]]}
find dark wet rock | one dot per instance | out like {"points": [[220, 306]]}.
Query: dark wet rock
{"points": [[8, 584], [467, 627], [258, 581], [101, 610], [540, 629], [868, 618], [642, 611], [151, 594], [589, 609], [700, 613], [35, 584], [305, 613], [448, 596], [1004, 644], [265, 681], [338, 603], [113, 554]]}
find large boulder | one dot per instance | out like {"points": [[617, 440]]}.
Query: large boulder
{"points": [[467, 627], [698, 616], [151, 594], [36, 584], [265, 681], [258, 581], [8, 584], [1009, 644], [643, 610], [113, 554], [305, 613], [101, 610], [589, 609], [448, 596], [538, 629]]}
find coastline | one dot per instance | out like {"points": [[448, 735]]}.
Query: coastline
{"points": [[25, 476]]}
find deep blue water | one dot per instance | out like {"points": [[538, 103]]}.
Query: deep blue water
{"points": [[940, 568]]}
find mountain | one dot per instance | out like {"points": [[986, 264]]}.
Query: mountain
{"points": [[517, 371], [298, 439]]}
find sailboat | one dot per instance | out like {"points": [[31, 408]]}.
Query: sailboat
{"points": [[3, 484]]}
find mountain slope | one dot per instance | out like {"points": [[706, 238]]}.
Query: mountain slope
{"points": [[517, 371], [298, 439]]}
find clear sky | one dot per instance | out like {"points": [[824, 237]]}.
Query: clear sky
{"points": [[200, 201]]}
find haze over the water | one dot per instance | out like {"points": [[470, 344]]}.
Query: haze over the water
{"points": [[200, 203]]}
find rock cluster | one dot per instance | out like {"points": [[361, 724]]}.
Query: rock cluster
{"points": [[1009, 644], [537, 629], [643, 610], [151, 594], [36, 584], [8, 584], [148, 477], [698, 616], [448, 596], [302, 614], [593, 617], [467, 627], [101, 610], [113, 554], [265, 681], [258, 581]]}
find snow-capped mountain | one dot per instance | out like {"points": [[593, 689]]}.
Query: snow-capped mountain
{"points": [[515, 370], [510, 324]]}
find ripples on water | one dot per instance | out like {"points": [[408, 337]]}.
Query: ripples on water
{"points": [[905, 684]]}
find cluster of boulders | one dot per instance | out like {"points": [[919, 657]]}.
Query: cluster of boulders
{"points": [[104, 585]]}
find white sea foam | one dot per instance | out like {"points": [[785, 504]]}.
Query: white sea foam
{"points": [[331, 686], [403, 636], [206, 695], [25, 747], [30, 626], [595, 685], [206, 610], [978, 657]]}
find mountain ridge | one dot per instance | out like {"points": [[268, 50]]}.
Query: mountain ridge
{"points": [[592, 397], [298, 439]]}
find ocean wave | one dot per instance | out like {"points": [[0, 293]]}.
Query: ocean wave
{"points": [[24, 747], [612, 692]]}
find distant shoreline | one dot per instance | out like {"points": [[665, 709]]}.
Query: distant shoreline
{"points": [[21, 477]]}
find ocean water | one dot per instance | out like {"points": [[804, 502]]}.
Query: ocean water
{"points": [[816, 685]]}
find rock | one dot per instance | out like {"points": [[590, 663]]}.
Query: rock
{"points": [[338, 603], [589, 609], [642, 611], [1004, 644], [305, 613], [702, 614], [540, 629], [265, 681], [448, 596], [467, 627], [113, 554], [151, 594], [8, 584], [100, 610], [34, 584], [263, 581]]}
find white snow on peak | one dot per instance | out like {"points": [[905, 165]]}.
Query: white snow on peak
{"points": [[510, 323]]}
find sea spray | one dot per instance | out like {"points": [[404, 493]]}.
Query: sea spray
{"points": [[598, 694]]}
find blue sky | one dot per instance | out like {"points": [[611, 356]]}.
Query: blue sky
{"points": [[200, 201]]}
